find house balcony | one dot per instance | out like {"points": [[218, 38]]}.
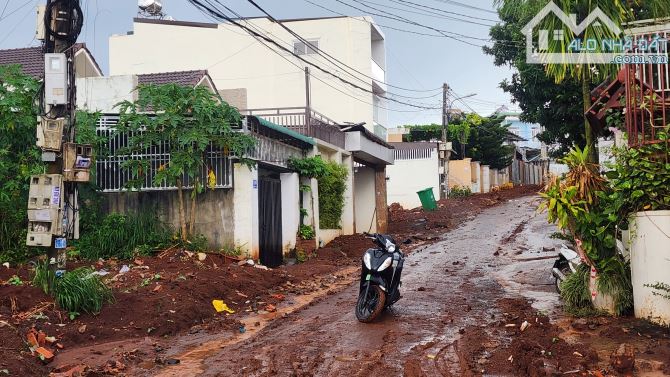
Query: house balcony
{"points": [[379, 77], [304, 121]]}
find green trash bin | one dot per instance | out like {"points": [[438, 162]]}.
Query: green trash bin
{"points": [[427, 199]]}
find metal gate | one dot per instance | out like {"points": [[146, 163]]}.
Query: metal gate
{"points": [[270, 229]]}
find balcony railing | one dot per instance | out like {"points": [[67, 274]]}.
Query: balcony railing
{"points": [[303, 120]]}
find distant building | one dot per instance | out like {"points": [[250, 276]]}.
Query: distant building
{"points": [[527, 131]]}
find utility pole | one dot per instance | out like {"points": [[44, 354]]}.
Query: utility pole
{"points": [[444, 152], [52, 202]]}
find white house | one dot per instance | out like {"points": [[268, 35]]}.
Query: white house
{"points": [[251, 75]]}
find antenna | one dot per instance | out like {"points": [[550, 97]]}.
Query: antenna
{"points": [[150, 9]]}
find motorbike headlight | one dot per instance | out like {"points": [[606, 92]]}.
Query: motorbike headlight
{"points": [[386, 264], [390, 248], [367, 260]]}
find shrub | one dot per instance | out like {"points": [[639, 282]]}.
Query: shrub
{"points": [[575, 290], [332, 186], [123, 236], [82, 292], [460, 192], [306, 232]]}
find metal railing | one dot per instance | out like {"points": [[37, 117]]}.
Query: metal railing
{"points": [[111, 177], [303, 120], [647, 95]]}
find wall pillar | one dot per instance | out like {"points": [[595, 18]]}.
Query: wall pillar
{"points": [[246, 209], [380, 199]]}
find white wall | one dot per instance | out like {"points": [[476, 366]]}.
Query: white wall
{"points": [[290, 209], [476, 172], [103, 93], [406, 177], [235, 60], [246, 209], [364, 199], [485, 179]]}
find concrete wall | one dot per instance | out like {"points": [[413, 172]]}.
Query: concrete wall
{"points": [[364, 199], [460, 173], [214, 211], [235, 60], [493, 177], [103, 93], [246, 209], [290, 209], [406, 177], [485, 181], [475, 170]]}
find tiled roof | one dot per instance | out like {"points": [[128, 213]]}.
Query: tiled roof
{"points": [[31, 59], [184, 78]]}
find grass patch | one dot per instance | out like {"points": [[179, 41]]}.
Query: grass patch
{"points": [[79, 291], [575, 291], [125, 235]]}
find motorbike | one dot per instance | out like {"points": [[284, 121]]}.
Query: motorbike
{"points": [[569, 260], [380, 277], [566, 264]]}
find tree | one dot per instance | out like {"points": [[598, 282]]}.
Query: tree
{"points": [[589, 72], [19, 157], [482, 139], [187, 119], [556, 107]]}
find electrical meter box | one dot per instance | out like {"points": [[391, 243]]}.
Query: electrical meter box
{"points": [[55, 79], [77, 161], [50, 133], [45, 216]]}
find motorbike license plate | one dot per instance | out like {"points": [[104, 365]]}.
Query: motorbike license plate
{"points": [[367, 278]]}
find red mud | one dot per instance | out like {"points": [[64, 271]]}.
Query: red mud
{"points": [[162, 297]]}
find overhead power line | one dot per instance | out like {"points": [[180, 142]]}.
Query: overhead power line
{"points": [[442, 10], [330, 58], [458, 3], [428, 13], [219, 15]]}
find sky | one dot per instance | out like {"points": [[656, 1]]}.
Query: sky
{"points": [[413, 61]]}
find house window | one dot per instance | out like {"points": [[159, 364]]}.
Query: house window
{"points": [[514, 130], [309, 48], [558, 35]]}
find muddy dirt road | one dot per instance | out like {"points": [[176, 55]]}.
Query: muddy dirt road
{"points": [[450, 289]]}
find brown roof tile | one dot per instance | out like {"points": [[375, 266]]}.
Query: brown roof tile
{"points": [[31, 59], [184, 78]]}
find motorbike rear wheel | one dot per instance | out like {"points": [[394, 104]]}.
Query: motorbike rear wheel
{"points": [[370, 303]]}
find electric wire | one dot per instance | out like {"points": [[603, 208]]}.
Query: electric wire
{"points": [[429, 14], [219, 15], [260, 30], [265, 43], [14, 11], [395, 18], [457, 3], [442, 10], [331, 58]]}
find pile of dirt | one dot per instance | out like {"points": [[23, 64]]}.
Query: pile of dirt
{"points": [[538, 349], [419, 224]]}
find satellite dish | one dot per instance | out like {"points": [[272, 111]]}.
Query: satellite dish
{"points": [[152, 7]]}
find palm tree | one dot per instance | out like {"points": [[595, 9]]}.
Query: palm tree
{"points": [[618, 11]]}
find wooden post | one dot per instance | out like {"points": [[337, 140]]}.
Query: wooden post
{"points": [[380, 199]]}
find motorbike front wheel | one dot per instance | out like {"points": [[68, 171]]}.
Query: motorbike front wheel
{"points": [[370, 303]]}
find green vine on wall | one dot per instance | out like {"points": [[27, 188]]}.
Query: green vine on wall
{"points": [[332, 180]]}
